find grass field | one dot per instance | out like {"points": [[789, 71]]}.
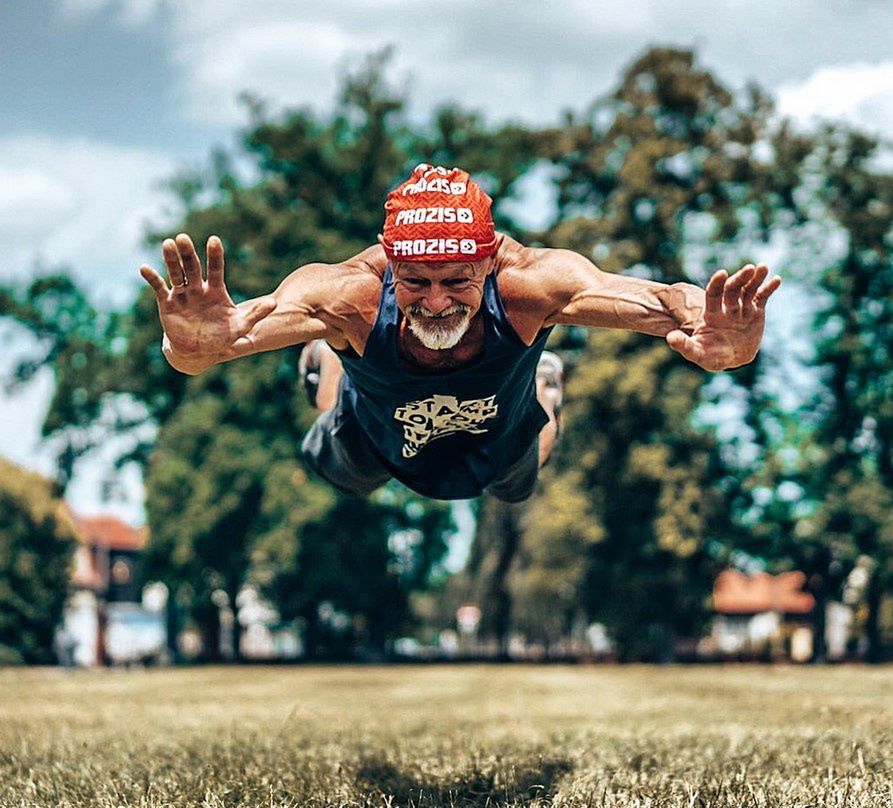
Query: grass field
{"points": [[425, 736]]}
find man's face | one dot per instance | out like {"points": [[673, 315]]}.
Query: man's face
{"points": [[440, 299]]}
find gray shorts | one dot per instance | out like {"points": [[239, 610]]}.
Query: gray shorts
{"points": [[339, 451]]}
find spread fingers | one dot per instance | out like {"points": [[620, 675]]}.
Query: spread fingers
{"points": [[762, 294], [154, 280], [731, 296], [192, 267], [175, 271]]}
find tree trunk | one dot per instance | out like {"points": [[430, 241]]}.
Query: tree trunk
{"points": [[236, 628], [311, 633], [209, 628], [817, 585], [875, 651], [172, 625]]}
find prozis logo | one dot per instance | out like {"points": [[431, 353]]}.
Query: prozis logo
{"points": [[436, 215], [434, 179], [435, 246]]}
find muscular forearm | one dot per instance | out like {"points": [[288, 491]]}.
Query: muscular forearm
{"points": [[635, 304], [717, 328], [684, 303]]}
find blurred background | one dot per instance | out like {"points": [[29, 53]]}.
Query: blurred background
{"points": [[151, 517]]}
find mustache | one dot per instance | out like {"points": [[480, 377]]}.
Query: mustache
{"points": [[418, 310]]}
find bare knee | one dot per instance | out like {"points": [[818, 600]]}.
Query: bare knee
{"points": [[330, 372], [548, 436]]}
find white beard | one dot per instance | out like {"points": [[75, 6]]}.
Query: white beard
{"points": [[431, 330]]}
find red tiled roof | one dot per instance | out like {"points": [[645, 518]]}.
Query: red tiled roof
{"points": [[737, 593], [109, 531]]}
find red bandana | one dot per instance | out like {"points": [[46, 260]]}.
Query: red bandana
{"points": [[438, 214]]}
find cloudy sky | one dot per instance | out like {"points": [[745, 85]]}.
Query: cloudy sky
{"points": [[101, 100]]}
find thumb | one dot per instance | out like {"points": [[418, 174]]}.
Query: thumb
{"points": [[680, 342], [677, 340]]}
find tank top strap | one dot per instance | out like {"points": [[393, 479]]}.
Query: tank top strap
{"points": [[498, 322], [378, 342]]}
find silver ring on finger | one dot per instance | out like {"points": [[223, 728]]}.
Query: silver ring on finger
{"points": [[181, 285]]}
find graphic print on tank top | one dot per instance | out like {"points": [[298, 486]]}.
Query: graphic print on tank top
{"points": [[434, 417]]}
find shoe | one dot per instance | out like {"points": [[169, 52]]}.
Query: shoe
{"points": [[550, 369], [308, 369]]}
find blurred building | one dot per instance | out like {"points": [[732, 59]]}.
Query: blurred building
{"points": [[105, 621], [761, 615]]}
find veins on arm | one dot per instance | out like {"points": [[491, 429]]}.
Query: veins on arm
{"points": [[590, 297]]}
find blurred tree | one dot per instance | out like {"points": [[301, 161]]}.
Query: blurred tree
{"points": [[853, 478], [223, 473], [36, 545], [819, 493], [81, 346], [227, 459], [338, 558], [634, 499]]}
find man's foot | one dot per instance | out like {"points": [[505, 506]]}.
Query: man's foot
{"points": [[550, 382], [308, 369]]}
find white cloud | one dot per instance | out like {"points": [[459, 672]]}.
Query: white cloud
{"points": [[514, 60], [79, 203], [860, 94], [295, 61], [511, 60]]}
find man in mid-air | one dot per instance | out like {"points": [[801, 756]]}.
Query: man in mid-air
{"points": [[427, 349]]}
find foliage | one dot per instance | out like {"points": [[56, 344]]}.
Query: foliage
{"points": [[668, 177], [634, 499], [853, 482], [36, 546], [82, 346]]}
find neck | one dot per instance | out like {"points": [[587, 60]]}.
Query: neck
{"points": [[417, 357]]}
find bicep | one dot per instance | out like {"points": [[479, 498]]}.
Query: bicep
{"points": [[299, 313]]}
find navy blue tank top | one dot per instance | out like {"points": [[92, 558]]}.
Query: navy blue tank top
{"points": [[447, 435]]}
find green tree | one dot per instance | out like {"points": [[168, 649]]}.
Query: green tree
{"points": [[223, 472], [853, 416], [81, 346], [634, 501], [36, 545]]}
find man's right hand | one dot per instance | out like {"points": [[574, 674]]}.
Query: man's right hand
{"points": [[202, 325]]}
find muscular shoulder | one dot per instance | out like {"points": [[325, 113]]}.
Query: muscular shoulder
{"points": [[534, 283], [342, 296]]}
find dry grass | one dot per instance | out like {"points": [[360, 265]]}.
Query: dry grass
{"points": [[426, 736]]}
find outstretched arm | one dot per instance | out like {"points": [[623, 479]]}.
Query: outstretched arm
{"points": [[204, 327], [717, 329]]}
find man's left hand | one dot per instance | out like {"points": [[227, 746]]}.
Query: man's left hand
{"points": [[730, 331]]}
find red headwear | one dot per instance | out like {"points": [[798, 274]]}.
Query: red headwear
{"points": [[438, 214]]}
